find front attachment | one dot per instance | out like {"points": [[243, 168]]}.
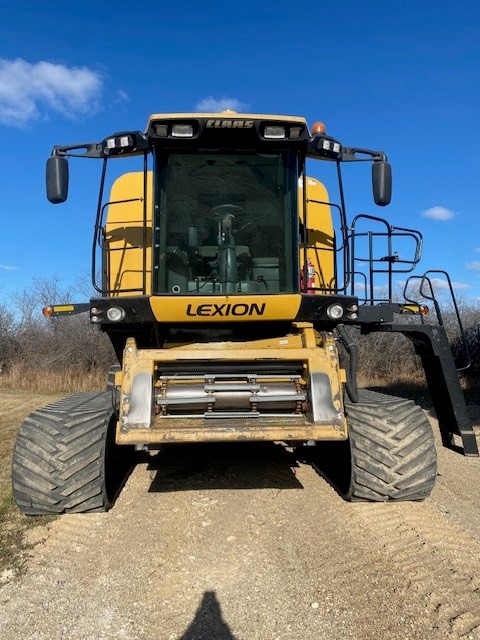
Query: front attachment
{"points": [[287, 388]]}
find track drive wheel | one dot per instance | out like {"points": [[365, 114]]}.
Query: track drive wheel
{"points": [[390, 454], [65, 459]]}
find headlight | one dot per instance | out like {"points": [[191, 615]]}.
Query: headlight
{"points": [[115, 314], [335, 311]]}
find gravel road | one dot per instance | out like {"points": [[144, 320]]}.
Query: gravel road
{"points": [[244, 542]]}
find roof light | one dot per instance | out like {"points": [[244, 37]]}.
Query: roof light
{"points": [[47, 311], [117, 144], [120, 142], [182, 130], [161, 130], [295, 133], [274, 132], [327, 147], [319, 127]]}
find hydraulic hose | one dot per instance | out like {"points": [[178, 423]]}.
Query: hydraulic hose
{"points": [[352, 350]]}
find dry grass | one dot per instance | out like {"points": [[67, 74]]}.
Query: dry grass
{"points": [[14, 408], [413, 385], [70, 380]]}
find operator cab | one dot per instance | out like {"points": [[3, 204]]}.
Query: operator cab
{"points": [[225, 222], [222, 206]]}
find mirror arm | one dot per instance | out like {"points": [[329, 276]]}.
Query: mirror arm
{"points": [[90, 150], [349, 154]]}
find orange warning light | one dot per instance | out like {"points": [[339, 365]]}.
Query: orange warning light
{"points": [[319, 127]]}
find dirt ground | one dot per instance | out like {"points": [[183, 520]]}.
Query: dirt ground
{"points": [[246, 542]]}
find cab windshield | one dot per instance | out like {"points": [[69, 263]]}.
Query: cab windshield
{"points": [[226, 223]]}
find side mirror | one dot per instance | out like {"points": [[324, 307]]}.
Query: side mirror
{"points": [[57, 179], [382, 182]]}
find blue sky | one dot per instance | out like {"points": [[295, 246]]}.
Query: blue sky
{"points": [[399, 76]]}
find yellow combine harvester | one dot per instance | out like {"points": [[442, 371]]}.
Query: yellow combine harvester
{"points": [[226, 289]]}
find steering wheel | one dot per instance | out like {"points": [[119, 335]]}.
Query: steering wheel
{"points": [[227, 210]]}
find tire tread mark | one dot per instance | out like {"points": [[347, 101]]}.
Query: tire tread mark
{"points": [[433, 561]]}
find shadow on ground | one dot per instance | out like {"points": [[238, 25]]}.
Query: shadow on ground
{"points": [[203, 466], [208, 623]]}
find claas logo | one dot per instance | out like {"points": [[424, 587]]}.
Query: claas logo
{"points": [[229, 124]]}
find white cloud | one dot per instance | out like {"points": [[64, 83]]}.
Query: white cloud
{"points": [[28, 91], [439, 213], [438, 286], [122, 96], [443, 284], [214, 105], [7, 267], [474, 266], [378, 290]]}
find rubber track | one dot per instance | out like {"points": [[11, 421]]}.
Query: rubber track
{"points": [[59, 457], [392, 449]]}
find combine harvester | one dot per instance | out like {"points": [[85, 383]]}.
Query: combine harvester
{"points": [[226, 288]]}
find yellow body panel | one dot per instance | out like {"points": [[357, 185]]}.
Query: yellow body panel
{"points": [[320, 238], [124, 235], [63, 308], [221, 308]]}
